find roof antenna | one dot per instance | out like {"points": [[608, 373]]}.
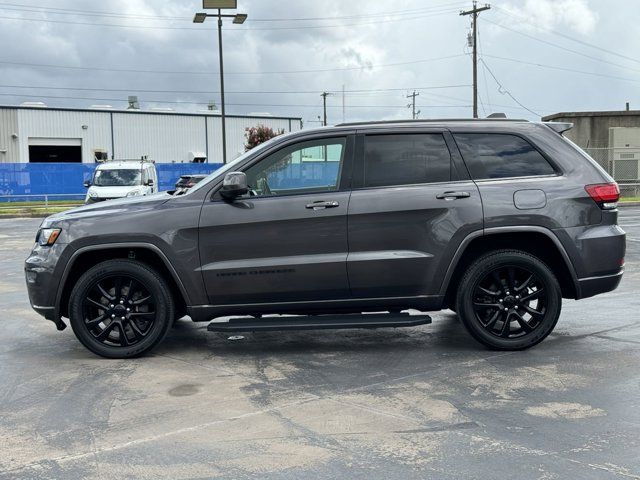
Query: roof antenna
{"points": [[498, 115]]}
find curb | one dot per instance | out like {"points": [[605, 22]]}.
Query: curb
{"points": [[24, 215], [628, 204]]}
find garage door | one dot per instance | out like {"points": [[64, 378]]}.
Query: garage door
{"points": [[55, 150]]}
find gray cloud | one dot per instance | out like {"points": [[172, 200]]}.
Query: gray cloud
{"points": [[365, 51]]}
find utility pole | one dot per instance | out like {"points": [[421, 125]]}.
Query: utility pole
{"points": [[343, 103], [474, 22], [413, 104], [324, 106]]}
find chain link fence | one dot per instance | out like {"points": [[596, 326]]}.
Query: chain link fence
{"points": [[622, 164]]}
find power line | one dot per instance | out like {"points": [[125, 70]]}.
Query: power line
{"points": [[568, 37], [555, 45], [94, 13], [504, 91], [157, 27], [564, 69], [177, 102], [256, 92], [320, 70]]}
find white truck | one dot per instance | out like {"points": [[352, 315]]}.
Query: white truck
{"points": [[120, 179]]}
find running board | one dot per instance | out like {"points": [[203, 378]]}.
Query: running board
{"points": [[319, 322]]}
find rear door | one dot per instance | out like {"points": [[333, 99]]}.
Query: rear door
{"points": [[412, 205], [287, 241]]}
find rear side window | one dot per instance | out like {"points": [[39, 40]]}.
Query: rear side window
{"points": [[493, 155], [405, 159]]}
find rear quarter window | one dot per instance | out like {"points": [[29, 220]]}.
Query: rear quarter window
{"points": [[497, 155]]}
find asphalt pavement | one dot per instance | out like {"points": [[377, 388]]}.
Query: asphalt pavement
{"points": [[423, 402]]}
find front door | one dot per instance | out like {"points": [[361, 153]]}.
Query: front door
{"points": [[412, 205], [287, 240]]}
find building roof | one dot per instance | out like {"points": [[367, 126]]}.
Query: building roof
{"points": [[611, 113], [207, 113]]}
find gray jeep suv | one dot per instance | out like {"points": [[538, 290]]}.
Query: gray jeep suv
{"points": [[497, 220]]}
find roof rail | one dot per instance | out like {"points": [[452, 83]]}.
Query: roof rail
{"points": [[433, 120]]}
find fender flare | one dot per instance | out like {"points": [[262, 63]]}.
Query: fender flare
{"points": [[511, 229], [108, 246]]}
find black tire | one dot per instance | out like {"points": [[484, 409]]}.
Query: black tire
{"points": [[121, 309], [504, 289]]}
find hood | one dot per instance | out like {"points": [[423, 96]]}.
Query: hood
{"points": [[110, 207], [113, 192]]}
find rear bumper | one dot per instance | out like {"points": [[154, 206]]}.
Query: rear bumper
{"points": [[595, 285]]}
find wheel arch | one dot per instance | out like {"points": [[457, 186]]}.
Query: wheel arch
{"points": [[538, 241], [147, 253]]}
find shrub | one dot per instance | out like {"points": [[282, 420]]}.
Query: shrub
{"points": [[260, 134]]}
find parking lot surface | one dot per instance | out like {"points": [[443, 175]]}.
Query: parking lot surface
{"points": [[424, 402]]}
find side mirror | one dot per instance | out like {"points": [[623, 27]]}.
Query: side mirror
{"points": [[234, 185], [87, 184], [149, 183]]}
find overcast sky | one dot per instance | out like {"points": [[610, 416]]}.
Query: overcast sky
{"points": [[538, 56]]}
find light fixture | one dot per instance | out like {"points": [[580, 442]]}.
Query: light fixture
{"points": [[200, 18], [239, 18], [219, 3]]}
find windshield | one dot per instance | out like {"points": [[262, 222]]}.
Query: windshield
{"points": [[229, 167], [116, 178]]}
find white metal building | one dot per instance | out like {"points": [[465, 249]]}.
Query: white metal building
{"points": [[43, 134]]}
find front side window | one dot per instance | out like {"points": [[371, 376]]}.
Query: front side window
{"points": [[496, 155], [116, 178], [312, 166], [406, 159]]}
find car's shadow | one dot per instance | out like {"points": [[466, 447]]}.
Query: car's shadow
{"points": [[446, 333]]}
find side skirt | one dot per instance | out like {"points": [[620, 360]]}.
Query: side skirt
{"points": [[424, 303]]}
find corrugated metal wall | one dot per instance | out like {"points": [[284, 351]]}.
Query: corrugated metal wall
{"points": [[162, 137], [59, 124], [9, 146], [235, 133]]}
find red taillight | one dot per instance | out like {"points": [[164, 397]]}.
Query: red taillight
{"points": [[606, 195]]}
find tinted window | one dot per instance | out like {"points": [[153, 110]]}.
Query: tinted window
{"points": [[491, 155], [406, 159], [312, 166]]}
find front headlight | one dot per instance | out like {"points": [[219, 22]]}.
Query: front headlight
{"points": [[133, 193], [48, 236]]}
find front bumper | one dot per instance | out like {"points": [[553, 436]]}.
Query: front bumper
{"points": [[42, 282]]}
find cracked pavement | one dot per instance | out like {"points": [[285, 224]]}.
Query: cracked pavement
{"points": [[423, 402]]}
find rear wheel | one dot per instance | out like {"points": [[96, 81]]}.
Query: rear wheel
{"points": [[121, 309], [509, 300]]}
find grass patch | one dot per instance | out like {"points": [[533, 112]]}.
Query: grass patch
{"points": [[629, 199], [36, 208], [74, 203]]}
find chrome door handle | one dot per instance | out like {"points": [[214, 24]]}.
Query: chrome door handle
{"points": [[452, 195], [320, 205]]}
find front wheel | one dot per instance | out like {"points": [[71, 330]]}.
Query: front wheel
{"points": [[120, 309], [509, 300]]}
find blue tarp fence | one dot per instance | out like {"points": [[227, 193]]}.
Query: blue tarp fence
{"points": [[25, 180]]}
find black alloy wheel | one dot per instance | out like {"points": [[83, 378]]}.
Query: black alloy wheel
{"points": [[121, 308], [118, 311], [509, 300]]}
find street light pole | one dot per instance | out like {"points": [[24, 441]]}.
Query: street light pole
{"points": [[223, 116], [238, 19]]}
